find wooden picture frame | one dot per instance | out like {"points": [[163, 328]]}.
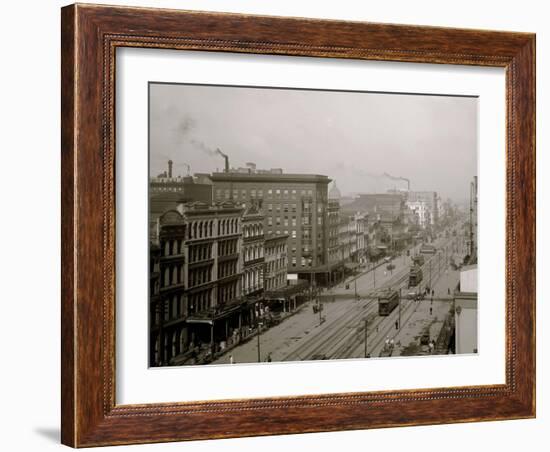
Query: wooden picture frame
{"points": [[90, 35]]}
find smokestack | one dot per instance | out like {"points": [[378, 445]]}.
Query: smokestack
{"points": [[389, 176], [170, 168], [226, 158]]}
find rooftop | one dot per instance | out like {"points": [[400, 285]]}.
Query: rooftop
{"points": [[269, 177]]}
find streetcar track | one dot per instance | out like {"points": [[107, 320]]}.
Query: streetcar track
{"points": [[346, 339]]}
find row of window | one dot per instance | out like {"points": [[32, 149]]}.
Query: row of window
{"points": [[172, 247], [198, 276], [253, 252], [252, 280], [270, 193], [253, 230], [227, 247], [304, 262], [227, 293], [275, 250], [172, 275], [276, 282], [276, 265], [169, 309], [200, 301], [227, 269], [199, 253]]}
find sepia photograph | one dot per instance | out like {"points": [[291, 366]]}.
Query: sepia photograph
{"points": [[294, 224]]}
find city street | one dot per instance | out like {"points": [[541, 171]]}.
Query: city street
{"points": [[339, 332]]}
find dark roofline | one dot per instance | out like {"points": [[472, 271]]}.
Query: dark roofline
{"points": [[244, 177]]}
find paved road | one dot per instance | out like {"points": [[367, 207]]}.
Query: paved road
{"points": [[341, 334]]}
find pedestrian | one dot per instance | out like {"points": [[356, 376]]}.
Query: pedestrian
{"points": [[433, 291], [268, 359], [430, 310], [396, 325], [449, 291], [231, 359]]}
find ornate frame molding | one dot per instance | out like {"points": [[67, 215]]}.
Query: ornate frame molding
{"points": [[90, 37]]}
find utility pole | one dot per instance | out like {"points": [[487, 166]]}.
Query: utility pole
{"points": [[366, 325], [258, 335], [374, 274], [430, 282], [356, 297], [399, 308]]}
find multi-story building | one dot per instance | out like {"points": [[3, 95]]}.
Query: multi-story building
{"points": [[167, 301], [253, 251], [334, 255], [292, 204], [421, 214], [200, 268], [360, 223], [346, 239], [166, 192], [429, 198], [276, 264], [194, 188], [387, 204]]}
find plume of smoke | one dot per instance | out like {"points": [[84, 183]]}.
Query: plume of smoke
{"points": [[184, 126], [389, 176], [207, 149]]}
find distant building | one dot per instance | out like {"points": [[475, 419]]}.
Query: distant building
{"points": [[334, 256], [421, 213], [192, 188], [387, 204], [292, 204], [429, 198]]}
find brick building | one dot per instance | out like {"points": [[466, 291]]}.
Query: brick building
{"points": [[292, 204]]}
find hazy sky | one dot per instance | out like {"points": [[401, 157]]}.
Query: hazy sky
{"points": [[352, 137]]}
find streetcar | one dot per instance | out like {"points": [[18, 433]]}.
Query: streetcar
{"points": [[387, 301], [415, 276], [428, 249], [418, 260]]}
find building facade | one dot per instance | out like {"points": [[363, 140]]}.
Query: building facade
{"points": [[429, 198], [276, 263], [253, 251], [193, 188], [421, 213], [200, 269], [292, 204]]}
